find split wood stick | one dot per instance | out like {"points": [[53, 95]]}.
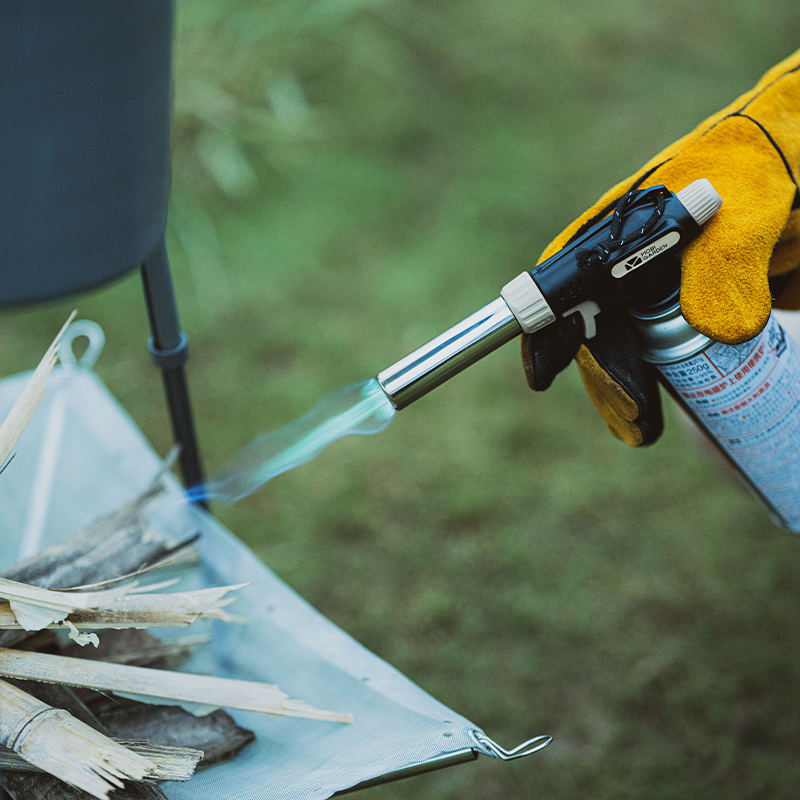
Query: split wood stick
{"points": [[169, 763], [27, 403], [262, 698], [97, 610], [45, 567], [35, 608], [42, 786], [114, 546], [59, 696], [53, 740]]}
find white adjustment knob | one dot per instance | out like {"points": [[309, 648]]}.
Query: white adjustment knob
{"points": [[526, 302], [700, 199]]}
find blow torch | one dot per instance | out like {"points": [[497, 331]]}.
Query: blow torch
{"points": [[604, 266]]}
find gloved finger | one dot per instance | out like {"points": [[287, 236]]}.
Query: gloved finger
{"points": [[786, 255], [622, 387], [724, 288], [783, 269], [787, 293], [549, 350]]}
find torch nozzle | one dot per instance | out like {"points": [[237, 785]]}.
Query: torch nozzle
{"points": [[448, 354]]}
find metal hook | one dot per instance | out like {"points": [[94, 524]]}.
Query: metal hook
{"points": [[93, 332], [525, 749]]}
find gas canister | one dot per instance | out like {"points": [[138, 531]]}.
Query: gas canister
{"points": [[746, 397]]}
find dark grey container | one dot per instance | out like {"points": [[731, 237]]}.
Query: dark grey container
{"points": [[85, 94]]}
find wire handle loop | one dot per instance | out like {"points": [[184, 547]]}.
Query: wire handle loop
{"points": [[82, 328], [524, 749]]}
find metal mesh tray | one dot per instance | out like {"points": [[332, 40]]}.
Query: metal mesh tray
{"points": [[85, 457]]}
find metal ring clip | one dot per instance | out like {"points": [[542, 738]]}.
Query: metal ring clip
{"points": [[525, 749], [93, 332]]}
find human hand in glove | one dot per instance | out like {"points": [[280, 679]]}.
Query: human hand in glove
{"points": [[748, 252]]}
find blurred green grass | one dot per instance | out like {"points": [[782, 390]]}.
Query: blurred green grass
{"points": [[349, 179]]}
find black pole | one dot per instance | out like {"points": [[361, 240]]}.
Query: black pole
{"points": [[169, 351]]}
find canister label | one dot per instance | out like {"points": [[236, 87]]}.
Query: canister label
{"points": [[748, 398]]}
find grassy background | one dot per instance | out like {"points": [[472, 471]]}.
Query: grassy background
{"points": [[350, 178]]}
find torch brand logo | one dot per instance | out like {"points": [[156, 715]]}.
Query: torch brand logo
{"points": [[635, 260]]}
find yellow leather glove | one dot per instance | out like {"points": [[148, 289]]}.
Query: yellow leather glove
{"points": [[750, 249]]}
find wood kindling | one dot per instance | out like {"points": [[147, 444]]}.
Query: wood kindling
{"points": [[23, 409], [54, 743], [33, 608], [169, 763], [184, 687], [58, 743]]}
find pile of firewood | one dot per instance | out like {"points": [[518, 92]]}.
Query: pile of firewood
{"points": [[74, 650]]}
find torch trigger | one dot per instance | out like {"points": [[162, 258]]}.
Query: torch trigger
{"points": [[588, 310]]}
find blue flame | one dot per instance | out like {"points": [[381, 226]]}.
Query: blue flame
{"points": [[360, 408]]}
